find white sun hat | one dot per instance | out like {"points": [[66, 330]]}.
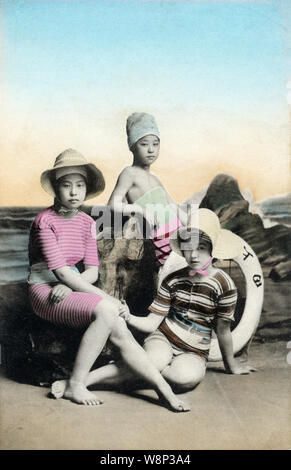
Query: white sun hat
{"points": [[68, 162], [225, 244]]}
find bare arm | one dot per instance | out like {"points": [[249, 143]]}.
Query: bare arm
{"points": [[90, 274], [145, 324], [116, 201], [225, 343], [232, 365], [72, 281], [75, 281]]}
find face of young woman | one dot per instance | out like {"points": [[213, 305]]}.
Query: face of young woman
{"points": [[146, 150], [198, 256], [72, 191]]}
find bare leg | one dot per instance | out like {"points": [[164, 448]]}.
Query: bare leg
{"points": [[159, 352], [136, 363], [185, 372], [107, 323], [137, 359], [111, 374], [91, 345]]}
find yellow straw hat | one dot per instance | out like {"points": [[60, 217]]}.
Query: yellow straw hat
{"points": [[71, 161], [225, 244]]}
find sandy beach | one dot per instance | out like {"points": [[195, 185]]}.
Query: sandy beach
{"points": [[228, 412]]}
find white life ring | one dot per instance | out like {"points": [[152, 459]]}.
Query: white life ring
{"points": [[254, 279]]}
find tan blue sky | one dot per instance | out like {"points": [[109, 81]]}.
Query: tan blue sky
{"points": [[214, 74]]}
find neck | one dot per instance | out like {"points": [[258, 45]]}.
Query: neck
{"points": [[203, 271], [63, 210], [143, 167]]}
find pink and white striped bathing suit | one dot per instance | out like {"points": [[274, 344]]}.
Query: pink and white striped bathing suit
{"points": [[155, 200], [56, 242]]}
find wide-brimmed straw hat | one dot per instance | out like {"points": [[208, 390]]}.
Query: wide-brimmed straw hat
{"points": [[225, 244], [71, 161]]}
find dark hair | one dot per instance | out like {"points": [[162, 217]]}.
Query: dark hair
{"points": [[56, 183], [189, 238]]}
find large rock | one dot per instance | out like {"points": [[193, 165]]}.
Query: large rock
{"points": [[272, 245], [127, 271], [222, 191], [281, 271]]}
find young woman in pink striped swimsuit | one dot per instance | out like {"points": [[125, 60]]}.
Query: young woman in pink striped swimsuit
{"points": [[62, 236]]}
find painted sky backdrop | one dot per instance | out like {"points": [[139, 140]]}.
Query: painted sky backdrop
{"points": [[214, 74]]}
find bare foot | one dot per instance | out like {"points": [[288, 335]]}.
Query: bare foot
{"points": [[74, 391], [58, 388], [178, 405], [172, 401]]}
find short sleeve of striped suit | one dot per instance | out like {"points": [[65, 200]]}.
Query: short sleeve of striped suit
{"points": [[48, 245], [226, 304], [162, 301]]}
